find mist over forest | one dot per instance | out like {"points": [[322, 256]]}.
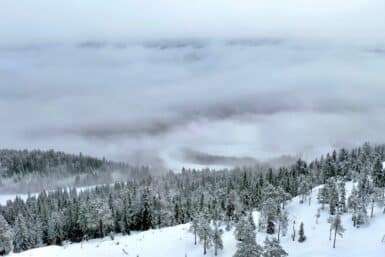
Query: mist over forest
{"points": [[218, 78]]}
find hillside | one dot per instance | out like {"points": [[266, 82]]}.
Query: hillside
{"points": [[23, 171], [177, 241]]}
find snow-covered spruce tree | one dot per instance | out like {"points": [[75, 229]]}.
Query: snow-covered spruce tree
{"points": [[337, 227], [342, 197], [301, 233], [145, 216], [304, 187], [248, 247], [377, 199], [205, 231], [126, 217], [251, 220], [360, 215], [323, 197], [194, 227], [6, 235], [230, 209], [34, 226], [269, 209], [242, 225], [55, 228], [378, 174], [272, 248], [333, 196], [217, 238], [22, 238]]}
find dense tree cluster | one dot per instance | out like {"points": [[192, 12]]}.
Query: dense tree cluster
{"points": [[36, 170], [205, 197], [21, 162]]}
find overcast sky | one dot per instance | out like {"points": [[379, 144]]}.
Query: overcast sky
{"points": [[189, 83]]}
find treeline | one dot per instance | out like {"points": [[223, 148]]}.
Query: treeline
{"points": [[144, 203], [22, 162], [36, 170]]}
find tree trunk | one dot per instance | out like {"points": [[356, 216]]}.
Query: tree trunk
{"points": [[215, 250], [195, 237], [371, 212], [335, 237], [279, 230], [101, 228], [204, 246]]}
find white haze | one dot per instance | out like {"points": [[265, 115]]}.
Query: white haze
{"points": [[156, 82]]}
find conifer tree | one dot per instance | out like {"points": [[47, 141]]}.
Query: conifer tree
{"points": [[272, 248], [283, 222], [323, 196], [217, 238], [240, 227], [248, 247], [194, 227], [22, 238], [337, 227], [342, 197], [205, 231], [6, 236], [378, 174], [301, 233]]}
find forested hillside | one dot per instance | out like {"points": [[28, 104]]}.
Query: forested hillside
{"points": [[22, 162], [31, 171], [206, 198]]}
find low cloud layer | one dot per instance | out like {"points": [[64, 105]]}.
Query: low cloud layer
{"points": [[120, 88]]}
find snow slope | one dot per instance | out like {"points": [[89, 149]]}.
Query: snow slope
{"points": [[178, 242]]}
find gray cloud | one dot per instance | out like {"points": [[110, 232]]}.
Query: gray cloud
{"points": [[217, 77], [191, 156]]}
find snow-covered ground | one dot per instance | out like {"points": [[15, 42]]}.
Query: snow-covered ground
{"points": [[5, 197], [178, 242]]}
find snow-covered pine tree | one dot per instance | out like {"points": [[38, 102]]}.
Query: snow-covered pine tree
{"points": [[301, 233], [217, 238], [6, 235], [272, 248], [194, 227], [55, 228], [205, 231], [304, 187], [22, 238], [378, 173], [251, 220], [146, 212], [126, 219], [323, 196], [333, 196], [360, 215], [342, 196], [240, 227], [248, 247], [337, 227]]}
